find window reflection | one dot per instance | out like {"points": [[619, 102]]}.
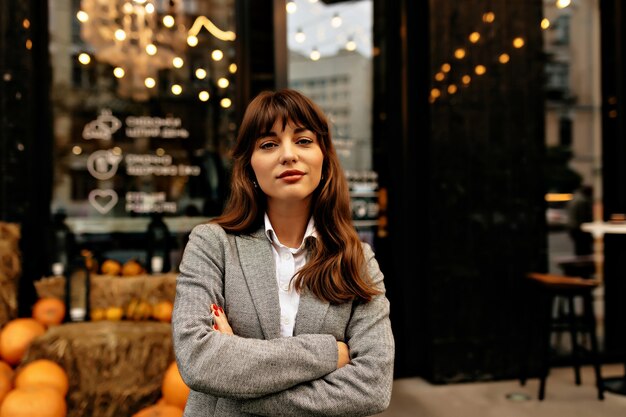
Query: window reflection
{"points": [[143, 120]]}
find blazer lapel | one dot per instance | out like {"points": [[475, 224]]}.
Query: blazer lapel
{"points": [[311, 313], [257, 263]]}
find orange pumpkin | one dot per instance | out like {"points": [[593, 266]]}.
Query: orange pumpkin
{"points": [[49, 311], [174, 390], [6, 385], [33, 401], [159, 410], [6, 370], [43, 372], [132, 268], [17, 336], [162, 311], [111, 267]]}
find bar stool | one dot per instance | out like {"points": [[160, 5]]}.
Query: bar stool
{"points": [[569, 288]]}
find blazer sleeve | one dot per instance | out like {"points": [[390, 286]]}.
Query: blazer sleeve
{"points": [[361, 388], [231, 366]]}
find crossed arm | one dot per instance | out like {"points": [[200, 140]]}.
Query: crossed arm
{"points": [[220, 324], [311, 374]]}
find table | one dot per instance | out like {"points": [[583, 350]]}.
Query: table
{"points": [[598, 229]]}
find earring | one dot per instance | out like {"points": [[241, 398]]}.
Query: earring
{"points": [[255, 184]]}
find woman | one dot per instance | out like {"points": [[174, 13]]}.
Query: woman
{"points": [[280, 310]]}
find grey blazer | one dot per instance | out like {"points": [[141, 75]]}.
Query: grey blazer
{"points": [[257, 372]]}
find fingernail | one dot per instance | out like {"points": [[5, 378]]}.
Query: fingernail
{"points": [[217, 313], [221, 309], [215, 327]]}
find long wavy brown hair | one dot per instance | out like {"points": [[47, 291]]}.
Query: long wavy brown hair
{"points": [[336, 270]]}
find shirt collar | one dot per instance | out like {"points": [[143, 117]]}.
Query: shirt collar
{"points": [[310, 232]]}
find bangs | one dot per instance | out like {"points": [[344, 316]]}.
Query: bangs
{"points": [[284, 107]]}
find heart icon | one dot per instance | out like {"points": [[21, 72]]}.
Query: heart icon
{"points": [[103, 200]]}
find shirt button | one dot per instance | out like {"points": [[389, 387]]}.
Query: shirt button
{"points": [[285, 321], [285, 287], [285, 256]]}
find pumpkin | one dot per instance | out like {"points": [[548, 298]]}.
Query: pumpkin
{"points": [[43, 372], [162, 311], [5, 369], [174, 390], [49, 311], [17, 336], [159, 410], [6, 385], [33, 402], [111, 267], [132, 268]]}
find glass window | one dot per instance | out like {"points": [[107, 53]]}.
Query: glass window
{"points": [[330, 61], [143, 96]]}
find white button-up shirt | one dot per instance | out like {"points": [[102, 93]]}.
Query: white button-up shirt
{"points": [[288, 262]]}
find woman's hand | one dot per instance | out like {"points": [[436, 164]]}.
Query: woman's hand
{"points": [[220, 323], [343, 357]]}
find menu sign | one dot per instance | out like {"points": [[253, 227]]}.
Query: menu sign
{"points": [[106, 164]]}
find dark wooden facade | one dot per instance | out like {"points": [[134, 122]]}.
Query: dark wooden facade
{"points": [[463, 172], [613, 16]]}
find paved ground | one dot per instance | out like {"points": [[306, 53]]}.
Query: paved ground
{"points": [[414, 397]]}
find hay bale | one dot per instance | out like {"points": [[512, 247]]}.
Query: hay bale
{"points": [[114, 368], [115, 291], [10, 270]]}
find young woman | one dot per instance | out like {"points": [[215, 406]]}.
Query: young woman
{"points": [[280, 309]]}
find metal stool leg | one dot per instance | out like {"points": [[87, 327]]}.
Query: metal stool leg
{"points": [[571, 317], [590, 318]]}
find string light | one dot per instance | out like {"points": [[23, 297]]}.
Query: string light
{"points": [[82, 16], [217, 55], [445, 67], [225, 102], [192, 40], [151, 49], [452, 89], [504, 58], [177, 89], [149, 8], [84, 58], [77, 150], [489, 17], [474, 37], [149, 82], [232, 68], [466, 79], [203, 95], [120, 35], [201, 73], [315, 54], [291, 7], [223, 82], [435, 92], [480, 69], [178, 62], [300, 36], [545, 23], [168, 21], [440, 76], [518, 42], [336, 20], [459, 53], [350, 45], [562, 4], [119, 72]]}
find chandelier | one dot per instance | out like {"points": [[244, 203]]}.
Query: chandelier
{"points": [[139, 38]]}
